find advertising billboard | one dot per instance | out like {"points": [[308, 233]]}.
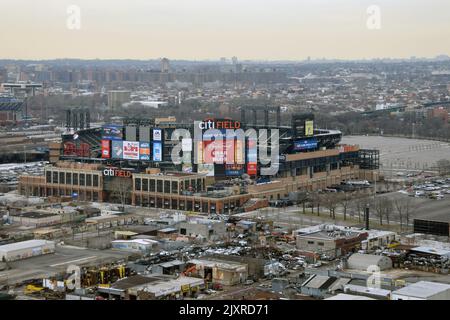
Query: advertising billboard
{"points": [[252, 151], [157, 151], [206, 168], [131, 150], [234, 169], [106, 149], [116, 149], [157, 135], [305, 144], [144, 151], [309, 128], [112, 132], [252, 168]]}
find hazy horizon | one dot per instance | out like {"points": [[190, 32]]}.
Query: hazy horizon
{"points": [[199, 30]]}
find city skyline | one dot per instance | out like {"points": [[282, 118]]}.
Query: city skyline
{"points": [[203, 30]]}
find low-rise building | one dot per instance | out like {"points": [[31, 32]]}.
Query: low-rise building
{"points": [[138, 245], [379, 239], [26, 249], [36, 218], [332, 241], [204, 228], [364, 262], [423, 290], [219, 271]]}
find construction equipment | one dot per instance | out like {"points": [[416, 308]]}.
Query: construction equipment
{"points": [[189, 270], [30, 289]]}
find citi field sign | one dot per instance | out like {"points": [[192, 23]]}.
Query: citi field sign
{"points": [[219, 124], [114, 172]]}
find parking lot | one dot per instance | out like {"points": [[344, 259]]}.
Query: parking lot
{"points": [[403, 153]]}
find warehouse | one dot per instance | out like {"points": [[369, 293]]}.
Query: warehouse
{"points": [[26, 249], [138, 245], [423, 290], [226, 273], [331, 240], [36, 219], [344, 296], [204, 228], [363, 262]]}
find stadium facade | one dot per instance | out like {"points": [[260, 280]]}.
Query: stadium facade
{"points": [[132, 163]]}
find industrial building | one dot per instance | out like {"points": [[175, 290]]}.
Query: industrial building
{"points": [[203, 228], [26, 249], [332, 241], [219, 271], [136, 245], [379, 239], [153, 287], [423, 290], [11, 110], [36, 219], [363, 262]]}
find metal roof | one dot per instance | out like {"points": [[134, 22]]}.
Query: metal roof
{"points": [[319, 282], [365, 259], [29, 244], [423, 289], [430, 250], [10, 104]]}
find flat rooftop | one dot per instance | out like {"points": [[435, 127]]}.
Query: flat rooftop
{"points": [[423, 289], [35, 214]]}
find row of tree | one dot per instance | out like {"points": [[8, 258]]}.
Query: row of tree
{"points": [[354, 204]]}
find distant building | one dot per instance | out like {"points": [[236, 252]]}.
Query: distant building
{"points": [[439, 113], [116, 98], [165, 65], [10, 110]]}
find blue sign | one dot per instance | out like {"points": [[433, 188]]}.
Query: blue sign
{"points": [[157, 151], [112, 132], [305, 144], [144, 151], [234, 169], [117, 149]]}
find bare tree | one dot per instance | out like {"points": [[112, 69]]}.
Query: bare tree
{"points": [[387, 209], [121, 189], [345, 199], [360, 205], [316, 200], [443, 166], [331, 202], [403, 208]]}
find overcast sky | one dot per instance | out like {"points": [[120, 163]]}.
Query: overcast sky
{"points": [[210, 29]]}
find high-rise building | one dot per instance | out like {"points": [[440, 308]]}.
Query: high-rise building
{"points": [[165, 65], [116, 98]]}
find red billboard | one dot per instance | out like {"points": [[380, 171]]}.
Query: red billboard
{"points": [[106, 149], [81, 150], [252, 168]]}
